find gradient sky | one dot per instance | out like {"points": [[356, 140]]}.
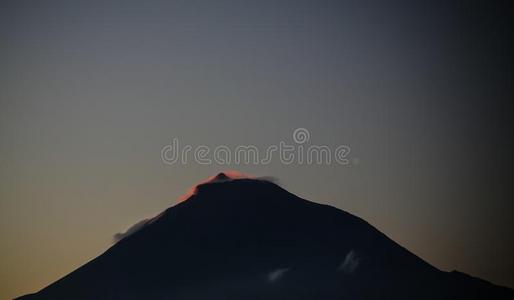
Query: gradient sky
{"points": [[90, 91]]}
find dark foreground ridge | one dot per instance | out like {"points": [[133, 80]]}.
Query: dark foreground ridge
{"points": [[250, 239]]}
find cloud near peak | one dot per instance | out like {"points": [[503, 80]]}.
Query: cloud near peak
{"points": [[132, 229]]}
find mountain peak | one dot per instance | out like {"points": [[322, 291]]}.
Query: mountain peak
{"points": [[238, 237], [221, 176]]}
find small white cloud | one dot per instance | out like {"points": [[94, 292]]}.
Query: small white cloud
{"points": [[350, 262], [133, 229], [275, 275]]}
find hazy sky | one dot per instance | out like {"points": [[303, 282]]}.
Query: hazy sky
{"points": [[90, 92]]}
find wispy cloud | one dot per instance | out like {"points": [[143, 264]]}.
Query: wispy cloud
{"points": [[277, 274], [350, 262], [132, 229]]}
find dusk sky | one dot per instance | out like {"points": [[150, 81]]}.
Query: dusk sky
{"points": [[91, 92]]}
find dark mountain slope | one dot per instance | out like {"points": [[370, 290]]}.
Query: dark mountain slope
{"points": [[250, 239]]}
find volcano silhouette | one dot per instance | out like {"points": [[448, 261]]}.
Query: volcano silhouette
{"points": [[250, 239]]}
